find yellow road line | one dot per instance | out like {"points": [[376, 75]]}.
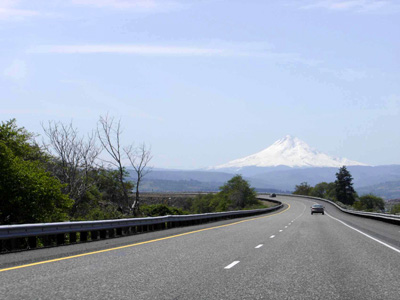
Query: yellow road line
{"points": [[136, 244]]}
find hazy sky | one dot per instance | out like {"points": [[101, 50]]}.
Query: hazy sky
{"points": [[205, 82]]}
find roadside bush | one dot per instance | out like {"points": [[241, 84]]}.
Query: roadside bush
{"points": [[235, 194], [303, 189], [369, 203], [395, 209], [154, 210], [324, 190]]}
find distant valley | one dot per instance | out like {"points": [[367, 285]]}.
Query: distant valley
{"points": [[298, 163]]}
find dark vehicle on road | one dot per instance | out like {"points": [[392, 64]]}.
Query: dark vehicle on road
{"points": [[273, 195], [317, 209]]}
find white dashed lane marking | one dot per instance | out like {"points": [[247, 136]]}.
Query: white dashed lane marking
{"points": [[272, 236], [259, 246], [232, 264]]}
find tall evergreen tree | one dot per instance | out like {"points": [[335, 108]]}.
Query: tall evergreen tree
{"points": [[345, 192]]}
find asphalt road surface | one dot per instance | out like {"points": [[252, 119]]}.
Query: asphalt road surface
{"points": [[288, 254]]}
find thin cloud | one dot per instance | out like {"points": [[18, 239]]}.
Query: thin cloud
{"points": [[148, 50], [137, 5], [8, 11], [125, 49], [360, 6]]}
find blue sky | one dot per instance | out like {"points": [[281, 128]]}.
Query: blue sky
{"points": [[205, 82]]}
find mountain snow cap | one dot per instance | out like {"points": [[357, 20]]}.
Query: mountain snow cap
{"points": [[292, 152]]}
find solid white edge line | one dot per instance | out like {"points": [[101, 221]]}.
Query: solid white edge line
{"points": [[259, 246], [232, 264], [359, 231]]}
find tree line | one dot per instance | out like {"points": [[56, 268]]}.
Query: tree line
{"points": [[342, 191], [235, 194], [68, 176]]}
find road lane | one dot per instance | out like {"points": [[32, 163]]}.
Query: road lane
{"points": [[388, 233], [315, 257], [54, 253]]}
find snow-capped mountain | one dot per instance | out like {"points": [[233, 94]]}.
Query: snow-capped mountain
{"points": [[289, 151]]}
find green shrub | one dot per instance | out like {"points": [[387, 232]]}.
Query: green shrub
{"points": [[395, 209], [369, 203], [155, 210]]}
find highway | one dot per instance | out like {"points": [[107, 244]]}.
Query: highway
{"points": [[288, 254]]}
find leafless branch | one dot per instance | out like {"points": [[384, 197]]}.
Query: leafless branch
{"points": [[139, 158]]}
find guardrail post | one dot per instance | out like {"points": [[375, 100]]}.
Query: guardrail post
{"points": [[125, 230], [83, 236], [111, 233], [94, 235], [133, 230], [60, 239], [103, 234], [119, 231], [72, 237]]}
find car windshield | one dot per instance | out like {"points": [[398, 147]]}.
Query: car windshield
{"points": [[317, 206]]}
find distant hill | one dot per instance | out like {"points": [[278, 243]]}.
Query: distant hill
{"points": [[280, 167], [193, 181], [157, 185], [363, 176], [380, 180], [202, 176], [387, 190]]}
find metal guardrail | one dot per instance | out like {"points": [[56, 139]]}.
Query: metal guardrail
{"points": [[25, 236], [389, 218]]}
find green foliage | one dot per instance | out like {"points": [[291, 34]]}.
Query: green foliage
{"points": [[204, 204], [160, 210], [93, 206], [31, 190], [395, 209], [29, 194], [110, 187], [19, 141], [324, 190], [303, 189], [345, 192], [369, 203], [102, 213], [235, 194]]}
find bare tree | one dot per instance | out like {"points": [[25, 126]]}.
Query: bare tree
{"points": [[75, 158], [109, 132], [139, 159]]}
